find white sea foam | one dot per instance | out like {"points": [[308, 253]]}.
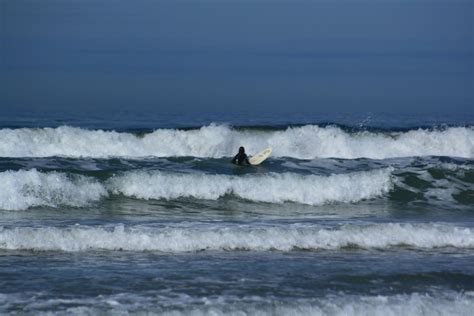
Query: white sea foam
{"points": [[199, 237], [272, 187], [439, 303], [342, 305], [22, 189], [306, 142]]}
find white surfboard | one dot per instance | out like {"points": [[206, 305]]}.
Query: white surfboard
{"points": [[260, 157]]}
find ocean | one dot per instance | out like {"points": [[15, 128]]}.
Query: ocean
{"points": [[351, 215]]}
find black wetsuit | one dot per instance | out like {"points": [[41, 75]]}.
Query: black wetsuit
{"points": [[240, 158]]}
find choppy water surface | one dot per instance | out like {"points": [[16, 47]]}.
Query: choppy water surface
{"points": [[342, 219]]}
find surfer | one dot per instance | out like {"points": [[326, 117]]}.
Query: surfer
{"points": [[241, 157]]}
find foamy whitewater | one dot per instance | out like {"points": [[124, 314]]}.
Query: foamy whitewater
{"points": [[340, 220], [267, 237], [215, 141], [28, 188]]}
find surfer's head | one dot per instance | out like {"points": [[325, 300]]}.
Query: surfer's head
{"points": [[241, 150]]}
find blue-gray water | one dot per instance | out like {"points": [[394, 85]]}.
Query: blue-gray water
{"points": [[350, 215]]}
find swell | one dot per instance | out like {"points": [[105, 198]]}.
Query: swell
{"points": [[192, 237], [215, 141]]}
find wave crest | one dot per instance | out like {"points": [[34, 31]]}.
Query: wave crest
{"points": [[272, 187], [216, 141], [268, 237], [23, 189]]}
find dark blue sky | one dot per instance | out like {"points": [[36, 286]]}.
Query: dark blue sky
{"points": [[215, 56]]}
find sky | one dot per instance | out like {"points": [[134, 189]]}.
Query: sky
{"points": [[166, 56]]}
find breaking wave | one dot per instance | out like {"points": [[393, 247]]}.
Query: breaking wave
{"points": [[215, 141], [27, 188], [23, 189], [272, 187], [229, 237]]}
